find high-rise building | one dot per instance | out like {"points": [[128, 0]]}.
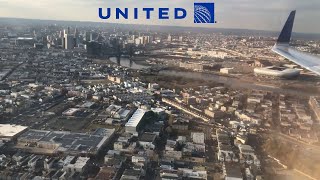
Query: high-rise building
{"points": [[146, 40], [153, 38], [67, 31], [69, 41], [94, 48], [76, 37], [142, 40], [87, 36], [49, 38], [93, 36], [138, 41], [61, 34], [169, 38], [76, 32]]}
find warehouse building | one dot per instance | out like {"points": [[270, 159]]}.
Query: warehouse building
{"points": [[9, 132], [62, 142], [135, 122]]}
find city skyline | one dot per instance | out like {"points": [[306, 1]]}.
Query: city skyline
{"points": [[255, 15]]}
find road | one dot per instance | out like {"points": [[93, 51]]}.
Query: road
{"points": [[308, 149], [186, 109], [295, 170]]}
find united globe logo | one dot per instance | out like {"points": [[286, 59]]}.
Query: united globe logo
{"points": [[204, 13]]}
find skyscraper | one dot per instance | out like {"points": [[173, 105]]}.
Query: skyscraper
{"points": [[62, 34], [94, 48], [93, 36], [69, 41], [87, 36], [169, 38], [76, 37], [76, 32]]}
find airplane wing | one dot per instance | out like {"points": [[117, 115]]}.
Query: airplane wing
{"points": [[282, 47]]}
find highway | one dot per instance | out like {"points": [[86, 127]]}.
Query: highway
{"points": [[186, 109], [308, 149]]}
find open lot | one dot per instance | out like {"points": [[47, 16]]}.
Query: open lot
{"points": [[68, 124]]}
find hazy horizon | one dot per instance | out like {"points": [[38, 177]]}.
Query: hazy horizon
{"points": [[230, 14]]}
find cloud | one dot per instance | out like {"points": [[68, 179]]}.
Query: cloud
{"points": [[245, 14]]}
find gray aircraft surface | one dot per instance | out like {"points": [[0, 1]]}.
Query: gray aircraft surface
{"points": [[283, 48]]}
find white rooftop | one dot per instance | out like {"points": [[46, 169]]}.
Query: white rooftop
{"points": [[71, 111], [10, 130], [136, 118], [87, 104], [25, 38], [79, 164], [157, 110]]}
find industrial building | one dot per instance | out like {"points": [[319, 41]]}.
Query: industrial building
{"points": [[134, 123], [71, 112], [277, 72], [9, 132], [25, 41], [53, 142]]}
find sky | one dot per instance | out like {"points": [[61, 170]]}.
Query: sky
{"points": [[240, 14]]}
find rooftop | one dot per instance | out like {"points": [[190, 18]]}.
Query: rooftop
{"points": [[233, 170], [87, 104], [68, 142], [10, 130], [106, 173], [147, 137], [136, 118]]}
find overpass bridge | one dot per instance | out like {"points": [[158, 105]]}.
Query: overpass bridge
{"points": [[186, 109]]}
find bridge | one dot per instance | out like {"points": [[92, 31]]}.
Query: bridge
{"points": [[186, 109]]}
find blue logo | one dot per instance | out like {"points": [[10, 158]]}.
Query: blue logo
{"points": [[204, 13]]}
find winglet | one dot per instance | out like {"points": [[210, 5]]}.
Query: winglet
{"points": [[285, 35]]}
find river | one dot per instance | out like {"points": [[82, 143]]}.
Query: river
{"points": [[234, 82]]}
